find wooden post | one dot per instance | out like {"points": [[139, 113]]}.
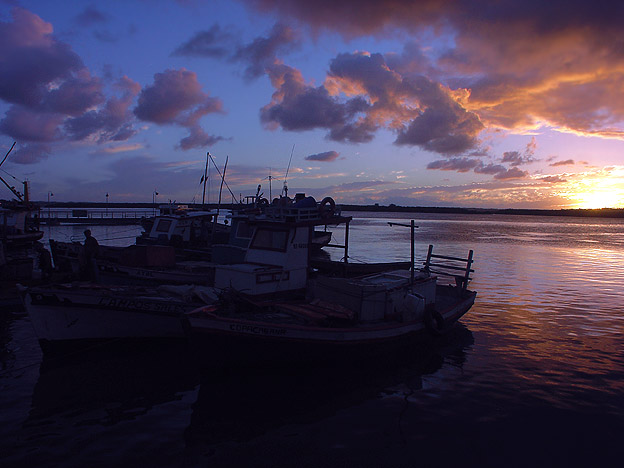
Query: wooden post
{"points": [[429, 253], [468, 266], [412, 251], [346, 248]]}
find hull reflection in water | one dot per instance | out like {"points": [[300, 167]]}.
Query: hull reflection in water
{"points": [[238, 404], [78, 397]]}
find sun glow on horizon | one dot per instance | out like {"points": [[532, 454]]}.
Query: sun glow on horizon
{"points": [[603, 188], [600, 198]]}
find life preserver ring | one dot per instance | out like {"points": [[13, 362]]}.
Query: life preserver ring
{"points": [[327, 207], [435, 322]]}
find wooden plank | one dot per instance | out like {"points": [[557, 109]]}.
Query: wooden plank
{"points": [[450, 258], [450, 267]]}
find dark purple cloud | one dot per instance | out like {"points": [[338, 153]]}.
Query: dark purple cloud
{"points": [[262, 51], [327, 156], [297, 106], [526, 64], [24, 124], [106, 36], [90, 16], [53, 96], [112, 122], [361, 95], [198, 138], [499, 171], [567, 162], [454, 164], [491, 169], [515, 158], [215, 43], [176, 98], [75, 95], [31, 59], [30, 153], [513, 173], [445, 130], [257, 55]]}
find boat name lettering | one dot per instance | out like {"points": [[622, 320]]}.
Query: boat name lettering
{"points": [[134, 304], [300, 246], [257, 330], [147, 273]]}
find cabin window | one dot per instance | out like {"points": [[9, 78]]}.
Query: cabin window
{"points": [[269, 239], [244, 230], [163, 225]]}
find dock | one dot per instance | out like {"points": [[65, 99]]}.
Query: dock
{"points": [[94, 217]]}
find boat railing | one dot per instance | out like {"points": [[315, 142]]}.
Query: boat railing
{"points": [[293, 213], [455, 267]]}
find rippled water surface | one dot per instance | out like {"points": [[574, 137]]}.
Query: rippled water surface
{"points": [[533, 374]]}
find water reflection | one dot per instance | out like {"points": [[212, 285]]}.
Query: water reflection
{"points": [[239, 404], [83, 402]]}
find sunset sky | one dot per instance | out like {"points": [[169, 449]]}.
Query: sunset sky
{"points": [[501, 104]]}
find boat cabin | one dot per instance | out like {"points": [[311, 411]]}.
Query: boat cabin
{"points": [[274, 258], [185, 228]]}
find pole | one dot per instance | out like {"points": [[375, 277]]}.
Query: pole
{"points": [[49, 194], [346, 248], [412, 251], [214, 224], [205, 176]]}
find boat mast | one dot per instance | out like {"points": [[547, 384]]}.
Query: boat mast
{"points": [[205, 179], [214, 224], [19, 196]]}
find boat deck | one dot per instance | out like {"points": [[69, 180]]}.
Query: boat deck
{"points": [[320, 313]]}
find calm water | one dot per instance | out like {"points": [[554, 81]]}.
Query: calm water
{"points": [[533, 374]]}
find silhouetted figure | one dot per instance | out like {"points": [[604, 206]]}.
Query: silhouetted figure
{"points": [[90, 251], [45, 262]]}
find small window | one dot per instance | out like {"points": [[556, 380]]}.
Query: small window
{"points": [[269, 239], [244, 230], [163, 225]]}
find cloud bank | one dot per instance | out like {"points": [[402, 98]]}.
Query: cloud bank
{"points": [[526, 65]]}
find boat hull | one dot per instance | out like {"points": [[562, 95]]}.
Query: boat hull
{"points": [[63, 316], [224, 340]]}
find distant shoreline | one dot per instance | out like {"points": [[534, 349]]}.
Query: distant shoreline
{"points": [[578, 212]]}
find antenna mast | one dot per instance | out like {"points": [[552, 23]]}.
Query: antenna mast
{"points": [[285, 189], [205, 177]]}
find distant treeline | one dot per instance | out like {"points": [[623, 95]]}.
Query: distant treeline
{"points": [[598, 213]]}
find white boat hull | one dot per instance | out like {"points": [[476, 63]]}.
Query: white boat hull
{"points": [[73, 315]]}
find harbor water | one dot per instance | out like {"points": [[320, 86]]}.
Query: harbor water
{"points": [[532, 375]]}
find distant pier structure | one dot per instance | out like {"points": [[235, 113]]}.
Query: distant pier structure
{"points": [[93, 216]]}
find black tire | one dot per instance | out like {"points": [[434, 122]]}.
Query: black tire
{"points": [[327, 208], [435, 322]]}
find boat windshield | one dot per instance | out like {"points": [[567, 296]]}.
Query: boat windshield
{"points": [[270, 239]]}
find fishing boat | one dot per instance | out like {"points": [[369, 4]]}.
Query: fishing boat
{"points": [[188, 230], [273, 262], [135, 264], [335, 318], [73, 314], [151, 263]]}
